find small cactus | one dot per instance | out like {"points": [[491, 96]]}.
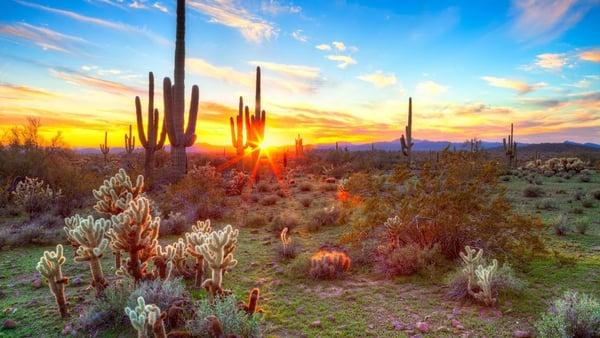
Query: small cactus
{"points": [[251, 307], [143, 317], [329, 264], [49, 267], [287, 249], [218, 253], [300, 147], [485, 277], [164, 261], [194, 239], [470, 260]]}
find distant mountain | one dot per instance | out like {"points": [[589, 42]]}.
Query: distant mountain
{"points": [[420, 145], [587, 144]]}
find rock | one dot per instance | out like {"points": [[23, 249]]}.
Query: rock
{"points": [[521, 334], [316, 324], [279, 270], [397, 325], [300, 310], [77, 281], [9, 324], [36, 283], [371, 326], [456, 324], [422, 326]]}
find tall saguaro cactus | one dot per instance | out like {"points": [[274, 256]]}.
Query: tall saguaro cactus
{"points": [[406, 141], [151, 141], [255, 125], [299, 146], [104, 147], [129, 142], [180, 136], [510, 148], [237, 134]]}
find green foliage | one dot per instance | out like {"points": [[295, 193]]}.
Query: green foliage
{"points": [[573, 315], [561, 225], [406, 260], [234, 320], [324, 216]]}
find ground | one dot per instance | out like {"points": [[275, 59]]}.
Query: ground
{"points": [[362, 303]]}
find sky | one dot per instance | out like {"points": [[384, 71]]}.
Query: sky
{"points": [[332, 70]]}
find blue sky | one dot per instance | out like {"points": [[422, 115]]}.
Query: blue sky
{"points": [[332, 70]]}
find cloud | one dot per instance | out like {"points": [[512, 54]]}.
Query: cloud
{"points": [[428, 88], [225, 12], [45, 38], [160, 7], [79, 79], [10, 91], [551, 61], [342, 60], [339, 45], [544, 20], [590, 55], [227, 74], [98, 22], [137, 5], [323, 46], [297, 71], [520, 86], [379, 79], [275, 7], [297, 34]]}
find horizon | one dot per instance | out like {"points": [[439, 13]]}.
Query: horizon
{"points": [[79, 65]]}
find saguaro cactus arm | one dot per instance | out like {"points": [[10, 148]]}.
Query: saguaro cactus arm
{"points": [[152, 141], [129, 142]]}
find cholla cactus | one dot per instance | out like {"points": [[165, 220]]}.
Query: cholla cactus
{"points": [[485, 276], [194, 240], [136, 232], [115, 193], [329, 264], [164, 261], [88, 234], [218, 253], [145, 316], [49, 267], [252, 306], [180, 260], [286, 242], [31, 195], [235, 185], [470, 260]]}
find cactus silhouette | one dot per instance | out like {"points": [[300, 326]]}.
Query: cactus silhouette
{"points": [[406, 142], [104, 147], [129, 142], [510, 148]]}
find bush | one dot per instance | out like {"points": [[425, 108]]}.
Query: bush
{"points": [[30, 233], [162, 293], [269, 200], [263, 187], [577, 211], [329, 263], [504, 281], [306, 202], [175, 224], [254, 221], [33, 198], [107, 311], [533, 191], [585, 178], [324, 216], [546, 204], [235, 183], [306, 186], [578, 195], [587, 203], [582, 226], [406, 260], [329, 187], [286, 219], [234, 321], [596, 194], [572, 315], [561, 225]]}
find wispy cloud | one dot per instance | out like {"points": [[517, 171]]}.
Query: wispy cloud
{"points": [[275, 7], [323, 46], [160, 7], [551, 61], [430, 88], [79, 79], [43, 37], [228, 13], [544, 20], [298, 35], [520, 87], [339, 45], [379, 79], [97, 21], [590, 55], [137, 5], [10, 91], [298, 71], [343, 61]]}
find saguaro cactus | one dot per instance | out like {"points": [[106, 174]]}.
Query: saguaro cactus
{"points": [[299, 146], [129, 142], [510, 148], [49, 267], [255, 125], [237, 134], [406, 142], [151, 141], [89, 235], [104, 149], [174, 102], [218, 253]]}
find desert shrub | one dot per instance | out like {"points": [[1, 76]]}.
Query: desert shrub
{"points": [[561, 225], [533, 191], [587, 203], [107, 311], [263, 187], [235, 183], [306, 186], [405, 260], [162, 293], [596, 194], [33, 197], [329, 187], [323, 217], [254, 221], [582, 226], [505, 178], [175, 224], [459, 201], [286, 219], [546, 204], [585, 178], [234, 321], [30, 233], [269, 200], [329, 263], [282, 193], [306, 202], [572, 315], [577, 211], [578, 195], [254, 198]]}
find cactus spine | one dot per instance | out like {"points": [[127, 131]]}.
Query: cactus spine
{"points": [[104, 149], [406, 142], [174, 102], [89, 235], [129, 142], [510, 148], [237, 134], [299, 147], [151, 141], [49, 267]]}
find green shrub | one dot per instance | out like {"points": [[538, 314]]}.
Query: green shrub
{"points": [[561, 225], [263, 187], [546, 204], [234, 321], [406, 260], [324, 216], [596, 194], [582, 226], [572, 315], [107, 312], [587, 203], [175, 224], [532, 191]]}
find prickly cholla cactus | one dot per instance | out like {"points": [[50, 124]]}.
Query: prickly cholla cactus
{"points": [[329, 264], [114, 194], [235, 185], [485, 276], [31, 195], [286, 241], [251, 307], [91, 244], [164, 261], [135, 231], [470, 260], [180, 259], [218, 253], [145, 316], [49, 267], [194, 240], [406, 141]]}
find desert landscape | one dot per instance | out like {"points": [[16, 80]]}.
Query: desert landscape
{"points": [[248, 219]]}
